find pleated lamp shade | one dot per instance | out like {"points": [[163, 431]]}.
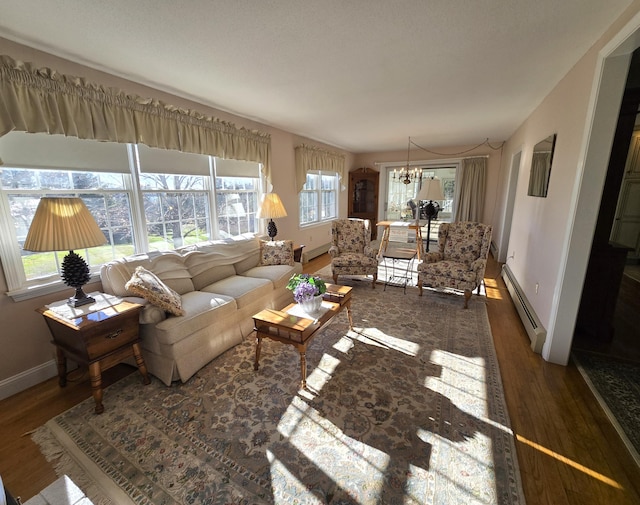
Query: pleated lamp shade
{"points": [[431, 190], [271, 207], [63, 224]]}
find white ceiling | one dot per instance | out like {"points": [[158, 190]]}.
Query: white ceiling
{"points": [[362, 75]]}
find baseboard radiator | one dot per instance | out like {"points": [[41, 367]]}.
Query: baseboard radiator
{"points": [[308, 255], [535, 330]]}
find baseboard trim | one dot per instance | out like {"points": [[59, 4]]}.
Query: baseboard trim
{"points": [[494, 250], [28, 378]]}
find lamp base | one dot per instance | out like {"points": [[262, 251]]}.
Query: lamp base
{"points": [[431, 213], [80, 298], [272, 231]]}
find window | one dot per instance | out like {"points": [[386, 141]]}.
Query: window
{"points": [[104, 195], [143, 199], [399, 194], [319, 198], [237, 205], [238, 189], [176, 210]]}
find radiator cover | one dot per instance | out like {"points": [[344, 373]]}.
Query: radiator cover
{"points": [[537, 333]]}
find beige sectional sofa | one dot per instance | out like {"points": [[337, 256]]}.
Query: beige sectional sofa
{"points": [[221, 285]]}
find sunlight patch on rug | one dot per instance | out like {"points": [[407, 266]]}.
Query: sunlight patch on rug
{"points": [[374, 336]]}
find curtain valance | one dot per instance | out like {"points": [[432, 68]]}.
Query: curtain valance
{"points": [[42, 100], [316, 158]]}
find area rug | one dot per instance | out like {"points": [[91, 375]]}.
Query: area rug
{"points": [[616, 385], [406, 408]]}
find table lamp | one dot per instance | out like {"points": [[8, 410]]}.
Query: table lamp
{"points": [[432, 191], [65, 224], [271, 207]]}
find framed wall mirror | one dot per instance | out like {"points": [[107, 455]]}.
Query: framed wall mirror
{"points": [[541, 166]]}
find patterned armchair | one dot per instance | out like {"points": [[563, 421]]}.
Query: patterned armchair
{"points": [[351, 252], [461, 258]]}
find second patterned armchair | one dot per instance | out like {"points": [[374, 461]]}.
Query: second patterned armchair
{"points": [[460, 260], [351, 252]]}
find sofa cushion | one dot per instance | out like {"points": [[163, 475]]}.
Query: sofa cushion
{"points": [[276, 252], [209, 262], [207, 268], [278, 274], [243, 289], [147, 285], [169, 266], [200, 310], [249, 262]]}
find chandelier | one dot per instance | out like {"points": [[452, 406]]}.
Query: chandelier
{"points": [[407, 174]]}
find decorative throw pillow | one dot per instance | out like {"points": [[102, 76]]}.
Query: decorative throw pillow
{"points": [[147, 285], [276, 252]]}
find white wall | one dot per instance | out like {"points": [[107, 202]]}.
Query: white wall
{"points": [[551, 237]]}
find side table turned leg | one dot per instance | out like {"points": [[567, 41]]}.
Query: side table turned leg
{"points": [[303, 368], [62, 367], [256, 364], [348, 306], [142, 367], [96, 386]]}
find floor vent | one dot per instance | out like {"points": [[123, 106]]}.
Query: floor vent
{"points": [[535, 330]]}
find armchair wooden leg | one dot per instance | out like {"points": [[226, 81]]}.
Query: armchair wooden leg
{"points": [[335, 278], [373, 283], [467, 295], [419, 287]]}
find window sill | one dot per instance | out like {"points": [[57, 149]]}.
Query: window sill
{"points": [[20, 295]]}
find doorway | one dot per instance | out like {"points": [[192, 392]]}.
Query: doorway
{"points": [[512, 185], [609, 317]]}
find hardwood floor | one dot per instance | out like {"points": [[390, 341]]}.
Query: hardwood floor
{"points": [[625, 342], [568, 452]]}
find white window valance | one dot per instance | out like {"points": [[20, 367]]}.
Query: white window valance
{"points": [[42, 100], [316, 158]]}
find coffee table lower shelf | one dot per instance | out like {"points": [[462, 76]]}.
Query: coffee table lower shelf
{"points": [[291, 326]]}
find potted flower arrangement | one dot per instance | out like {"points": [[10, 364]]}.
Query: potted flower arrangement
{"points": [[307, 291]]}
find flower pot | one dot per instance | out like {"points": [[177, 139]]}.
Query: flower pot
{"points": [[313, 305]]}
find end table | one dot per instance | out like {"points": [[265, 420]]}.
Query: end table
{"points": [[403, 276], [99, 336]]}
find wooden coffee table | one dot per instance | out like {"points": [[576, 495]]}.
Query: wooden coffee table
{"points": [[291, 326]]}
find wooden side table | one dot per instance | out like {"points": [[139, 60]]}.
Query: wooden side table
{"points": [[297, 253], [411, 225], [99, 336]]}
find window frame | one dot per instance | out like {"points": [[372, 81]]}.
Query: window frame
{"points": [[319, 192], [19, 288]]}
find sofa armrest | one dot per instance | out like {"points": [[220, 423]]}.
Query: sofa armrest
{"points": [[150, 314]]}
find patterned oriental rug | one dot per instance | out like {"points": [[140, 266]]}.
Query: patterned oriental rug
{"points": [[407, 408]]}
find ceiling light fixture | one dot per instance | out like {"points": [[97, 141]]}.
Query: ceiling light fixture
{"points": [[407, 174]]}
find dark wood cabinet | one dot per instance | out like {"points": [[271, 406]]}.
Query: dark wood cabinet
{"points": [[600, 293], [363, 196]]}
